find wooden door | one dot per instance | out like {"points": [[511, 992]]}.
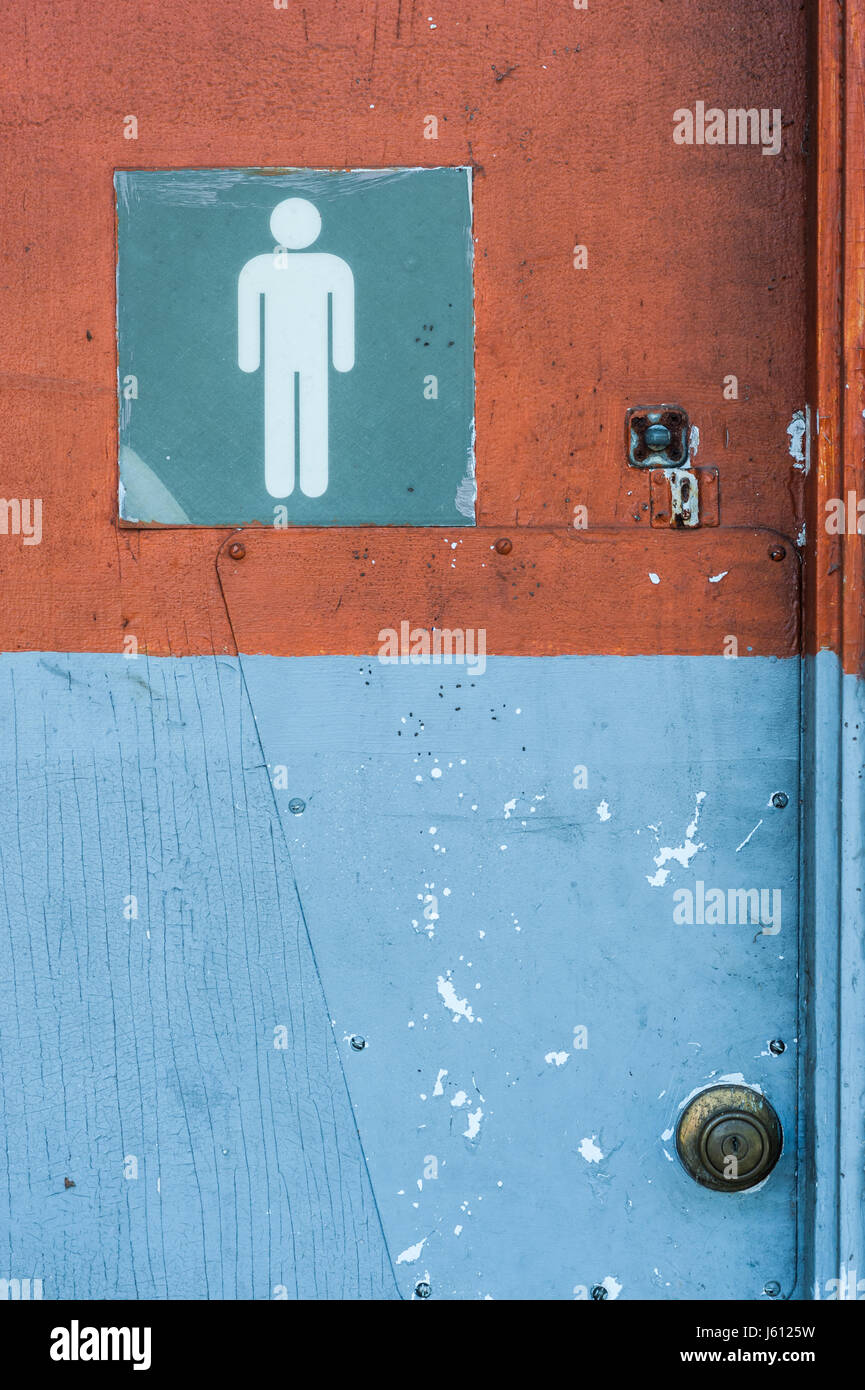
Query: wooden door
{"points": [[340, 962]]}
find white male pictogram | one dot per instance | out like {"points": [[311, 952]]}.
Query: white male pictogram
{"points": [[307, 299]]}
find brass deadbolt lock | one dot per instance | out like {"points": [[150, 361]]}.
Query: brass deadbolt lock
{"points": [[729, 1138]]}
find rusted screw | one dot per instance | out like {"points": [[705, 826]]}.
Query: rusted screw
{"points": [[658, 476], [777, 1047], [237, 550], [779, 800], [599, 1293], [422, 1290], [777, 552], [358, 1043], [503, 546]]}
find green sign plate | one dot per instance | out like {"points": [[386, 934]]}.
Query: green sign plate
{"points": [[295, 347]]}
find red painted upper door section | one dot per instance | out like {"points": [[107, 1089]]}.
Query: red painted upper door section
{"points": [[639, 239]]}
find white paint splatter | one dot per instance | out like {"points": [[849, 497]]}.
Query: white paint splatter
{"points": [[409, 1256], [603, 811], [590, 1151], [459, 1099], [557, 1058], [667, 1135], [655, 578], [435, 772], [474, 1124], [460, 1008], [438, 1088], [613, 1287], [509, 807], [800, 539], [716, 578], [694, 440], [683, 854]]}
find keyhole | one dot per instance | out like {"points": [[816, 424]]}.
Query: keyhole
{"points": [[734, 1144]]}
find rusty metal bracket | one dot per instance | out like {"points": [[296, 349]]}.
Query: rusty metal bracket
{"points": [[684, 497], [657, 436]]}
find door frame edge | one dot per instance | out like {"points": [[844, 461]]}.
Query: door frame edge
{"points": [[832, 1031]]}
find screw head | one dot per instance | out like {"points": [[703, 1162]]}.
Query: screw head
{"points": [[772, 1288], [658, 476], [777, 1047], [423, 1290], [358, 1043], [296, 806], [599, 1293], [780, 800], [237, 550], [777, 552], [657, 437], [503, 546]]}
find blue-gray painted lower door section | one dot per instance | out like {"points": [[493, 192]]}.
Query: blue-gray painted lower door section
{"points": [[480, 874]]}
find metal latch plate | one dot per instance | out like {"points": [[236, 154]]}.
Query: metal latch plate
{"points": [[684, 498]]}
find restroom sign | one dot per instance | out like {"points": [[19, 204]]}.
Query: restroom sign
{"points": [[296, 347]]}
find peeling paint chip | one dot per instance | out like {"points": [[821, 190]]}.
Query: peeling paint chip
{"points": [[409, 1256], [797, 431], [460, 1008], [590, 1151], [682, 854], [474, 1124]]}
